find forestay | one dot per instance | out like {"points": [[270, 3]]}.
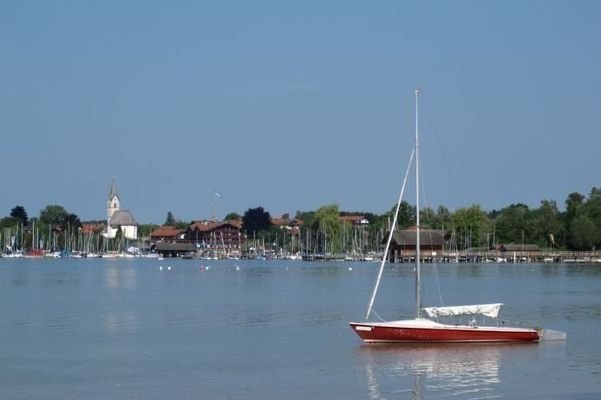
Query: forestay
{"points": [[489, 310]]}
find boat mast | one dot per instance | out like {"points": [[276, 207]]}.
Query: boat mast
{"points": [[418, 294]]}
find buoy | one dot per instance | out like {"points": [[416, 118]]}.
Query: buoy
{"points": [[237, 268], [160, 268], [350, 268], [169, 268]]}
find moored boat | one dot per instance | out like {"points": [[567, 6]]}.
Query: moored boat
{"points": [[430, 330]]}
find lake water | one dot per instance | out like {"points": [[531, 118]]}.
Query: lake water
{"points": [[122, 329]]}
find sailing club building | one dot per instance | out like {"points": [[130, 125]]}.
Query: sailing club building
{"points": [[216, 236]]}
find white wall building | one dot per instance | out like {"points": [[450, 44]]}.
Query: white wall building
{"points": [[117, 218]]}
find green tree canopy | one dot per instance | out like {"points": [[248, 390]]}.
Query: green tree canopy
{"points": [[232, 216], [573, 203], [9, 222], [20, 214], [256, 220], [170, 220], [328, 226], [548, 227], [472, 227], [57, 216], [584, 230], [584, 234], [53, 215], [406, 216]]}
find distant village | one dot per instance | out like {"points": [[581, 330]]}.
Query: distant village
{"points": [[213, 239]]}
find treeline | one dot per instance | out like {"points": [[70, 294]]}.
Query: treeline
{"points": [[577, 227]]}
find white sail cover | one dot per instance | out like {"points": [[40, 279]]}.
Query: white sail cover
{"points": [[489, 310]]}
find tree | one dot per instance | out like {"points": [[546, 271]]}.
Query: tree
{"points": [[232, 216], [170, 220], [256, 220], [20, 214], [9, 222], [514, 224], [328, 226], [573, 203], [584, 234], [71, 221], [406, 217], [472, 226], [53, 215], [548, 225]]}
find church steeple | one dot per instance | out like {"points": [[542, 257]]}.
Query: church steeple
{"points": [[112, 203]]}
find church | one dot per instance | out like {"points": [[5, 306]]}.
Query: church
{"points": [[119, 219]]}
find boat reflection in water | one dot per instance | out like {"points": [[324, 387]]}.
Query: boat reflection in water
{"points": [[421, 371]]}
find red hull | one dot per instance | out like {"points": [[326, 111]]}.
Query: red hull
{"points": [[397, 332]]}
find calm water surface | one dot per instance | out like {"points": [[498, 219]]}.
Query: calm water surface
{"points": [[111, 329]]}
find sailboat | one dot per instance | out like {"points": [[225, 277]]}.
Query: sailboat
{"points": [[425, 327]]}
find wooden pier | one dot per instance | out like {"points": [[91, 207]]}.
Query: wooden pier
{"points": [[480, 256]]}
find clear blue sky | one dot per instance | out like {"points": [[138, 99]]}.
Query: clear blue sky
{"points": [[294, 105]]}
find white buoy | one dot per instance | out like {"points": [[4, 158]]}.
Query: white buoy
{"points": [[169, 268], [350, 268], [160, 268], [237, 268]]}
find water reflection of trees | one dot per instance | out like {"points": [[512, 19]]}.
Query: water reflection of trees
{"points": [[412, 371]]}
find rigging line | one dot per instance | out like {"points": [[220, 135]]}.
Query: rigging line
{"points": [[378, 315], [442, 152], [394, 222]]}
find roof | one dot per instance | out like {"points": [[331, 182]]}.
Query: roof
{"points": [[208, 226], [426, 237], [237, 223], [518, 247], [166, 231], [280, 221], [122, 218], [203, 226], [113, 191], [91, 228]]}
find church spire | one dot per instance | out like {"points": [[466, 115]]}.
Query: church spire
{"points": [[113, 191], [112, 203]]}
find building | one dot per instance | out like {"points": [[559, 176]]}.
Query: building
{"points": [[356, 220], [167, 234], [118, 219], [519, 252], [404, 244], [221, 235]]}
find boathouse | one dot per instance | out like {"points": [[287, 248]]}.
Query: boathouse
{"points": [[404, 244], [519, 252], [167, 249]]}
